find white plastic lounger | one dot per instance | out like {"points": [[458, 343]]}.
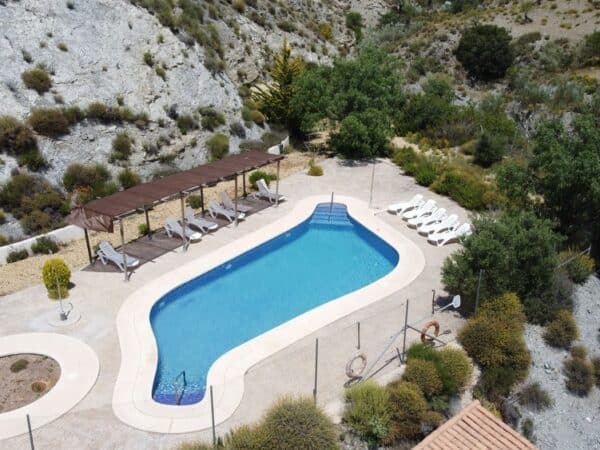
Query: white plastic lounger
{"points": [[265, 192], [440, 239], [402, 207], [428, 206], [438, 227], [198, 222], [107, 253], [435, 216], [173, 227], [214, 209], [228, 203]]}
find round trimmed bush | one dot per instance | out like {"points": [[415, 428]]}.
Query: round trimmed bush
{"points": [[457, 365], [408, 409], [298, 424], [485, 51], [562, 331], [425, 375], [56, 275], [246, 438], [369, 411]]}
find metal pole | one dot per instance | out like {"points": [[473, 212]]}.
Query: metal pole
{"points": [[244, 183], [212, 416], [316, 368], [432, 302], [148, 224], [277, 186], [183, 227], [123, 248], [358, 335], [202, 199], [372, 183], [87, 244], [405, 329], [235, 199], [478, 287], [30, 433]]}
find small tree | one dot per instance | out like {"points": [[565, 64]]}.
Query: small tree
{"points": [[485, 51], [56, 275], [362, 135]]}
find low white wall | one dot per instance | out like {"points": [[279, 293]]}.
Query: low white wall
{"points": [[60, 236]]}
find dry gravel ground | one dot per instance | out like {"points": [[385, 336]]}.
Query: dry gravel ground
{"points": [[573, 422], [22, 274], [16, 387]]}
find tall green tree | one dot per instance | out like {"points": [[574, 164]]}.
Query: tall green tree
{"points": [[274, 98]]}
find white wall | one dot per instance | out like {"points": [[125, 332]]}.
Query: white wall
{"points": [[60, 236]]}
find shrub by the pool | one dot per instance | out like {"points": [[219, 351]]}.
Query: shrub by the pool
{"points": [[44, 245], [425, 375], [17, 255], [37, 79], [56, 275], [246, 437], [297, 423], [368, 412], [218, 146], [314, 170], [580, 376], [257, 175], [458, 367], [562, 331], [143, 229], [194, 201]]}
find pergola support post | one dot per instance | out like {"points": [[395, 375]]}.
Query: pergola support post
{"points": [[122, 232], [202, 199], [148, 224], [235, 199], [87, 244], [277, 186], [183, 226], [244, 183]]}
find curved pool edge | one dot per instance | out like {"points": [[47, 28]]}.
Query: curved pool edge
{"points": [[132, 400]]}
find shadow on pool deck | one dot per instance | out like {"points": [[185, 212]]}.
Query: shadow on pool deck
{"points": [[149, 249]]}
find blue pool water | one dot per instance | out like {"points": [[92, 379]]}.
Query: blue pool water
{"points": [[325, 257]]}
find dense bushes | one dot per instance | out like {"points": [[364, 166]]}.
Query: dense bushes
{"points": [[88, 182], [44, 245], [485, 51], [37, 79], [18, 140], [17, 255], [56, 275], [425, 375], [589, 50], [517, 253], [577, 266], [362, 135], [465, 187], [218, 146], [562, 331], [494, 339], [369, 412]]}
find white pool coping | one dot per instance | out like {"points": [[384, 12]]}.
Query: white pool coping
{"points": [[79, 367], [132, 397]]}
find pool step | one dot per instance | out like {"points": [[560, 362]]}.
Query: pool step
{"points": [[337, 215]]}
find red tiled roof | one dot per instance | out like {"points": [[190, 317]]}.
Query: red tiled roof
{"points": [[475, 428]]}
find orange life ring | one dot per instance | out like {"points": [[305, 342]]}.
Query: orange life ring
{"points": [[432, 323], [352, 372]]}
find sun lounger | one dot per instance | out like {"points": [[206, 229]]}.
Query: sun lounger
{"points": [[265, 192], [451, 235], [428, 206], [198, 222], [438, 227], [402, 207], [228, 203], [173, 227], [429, 217], [215, 209], [107, 253]]}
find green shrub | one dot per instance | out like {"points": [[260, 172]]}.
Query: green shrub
{"points": [[95, 179], [580, 376], [368, 412], [149, 59], [258, 174], [425, 375], [490, 149], [128, 178], [458, 369], [314, 170], [407, 159], [257, 117], [33, 160], [56, 275], [246, 438], [195, 446], [354, 22], [239, 5], [579, 267], [49, 122], [562, 331], [411, 416], [426, 172], [463, 186], [37, 79], [325, 31], [194, 201], [218, 146], [527, 429], [3, 240], [211, 119], [362, 135], [35, 222], [485, 51], [121, 147], [589, 51], [186, 123], [17, 255], [143, 229], [15, 137], [298, 424], [19, 365], [534, 397], [44, 245], [596, 367]]}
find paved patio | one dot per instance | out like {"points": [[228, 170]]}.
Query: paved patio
{"points": [[98, 296]]}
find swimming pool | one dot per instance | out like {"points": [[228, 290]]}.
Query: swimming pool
{"points": [[325, 257]]}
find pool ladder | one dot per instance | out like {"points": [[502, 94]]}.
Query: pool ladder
{"points": [[181, 377]]}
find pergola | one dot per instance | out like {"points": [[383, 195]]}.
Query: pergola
{"points": [[100, 214]]}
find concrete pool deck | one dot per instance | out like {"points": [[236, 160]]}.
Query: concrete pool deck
{"points": [[99, 296]]}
